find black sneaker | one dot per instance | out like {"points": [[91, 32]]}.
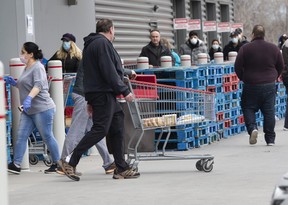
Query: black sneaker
{"points": [[51, 169], [13, 169]]}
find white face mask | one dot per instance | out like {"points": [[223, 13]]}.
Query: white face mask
{"points": [[215, 46], [234, 40], [193, 41], [23, 59]]}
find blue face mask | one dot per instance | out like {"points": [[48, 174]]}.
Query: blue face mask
{"points": [[66, 46]]}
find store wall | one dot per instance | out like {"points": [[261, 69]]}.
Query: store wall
{"points": [[51, 20]]}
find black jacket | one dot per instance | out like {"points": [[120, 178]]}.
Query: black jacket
{"points": [[102, 66], [69, 65], [154, 55], [78, 85]]}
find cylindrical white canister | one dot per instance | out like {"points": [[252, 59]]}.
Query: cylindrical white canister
{"points": [[202, 58], [218, 57], [186, 60], [232, 56], [166, 61], [142, 62], [56, 92]]}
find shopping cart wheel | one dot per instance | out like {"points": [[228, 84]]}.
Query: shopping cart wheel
{"points": [[199, 165], [207, 165], [33, 159], [48, 162]]}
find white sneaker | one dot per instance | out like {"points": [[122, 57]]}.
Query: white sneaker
{"points": [[285, 129], [270, 144], [253, 137]]}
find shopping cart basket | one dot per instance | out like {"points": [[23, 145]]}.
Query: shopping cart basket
{"points": [[37, 148], [161, 107]]}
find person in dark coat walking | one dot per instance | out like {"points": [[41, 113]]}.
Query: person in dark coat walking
{"points": [[103, 81], [259, 72]]}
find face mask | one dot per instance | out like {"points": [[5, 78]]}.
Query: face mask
{"points": [[66, 46], [193, 41], [215, 46], [234, 40], [23, 59]]}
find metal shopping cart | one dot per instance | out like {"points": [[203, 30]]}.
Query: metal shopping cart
{"points": [[161, 107], [37, 148]]}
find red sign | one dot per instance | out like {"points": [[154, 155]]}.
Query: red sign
{"points": [[223, 27], [180, 23], [209, 26], [236, 25], [194, 24]]}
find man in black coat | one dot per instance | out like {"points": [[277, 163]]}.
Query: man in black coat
{"points": [[103, 81], [155, 50], [258, 65]]}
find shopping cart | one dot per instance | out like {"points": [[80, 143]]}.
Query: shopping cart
{"points": [[68, 83], [161, 107], [37, 148]]}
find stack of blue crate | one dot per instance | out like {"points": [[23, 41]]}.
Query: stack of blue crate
{"points": [[8, 120], [221, 80]]}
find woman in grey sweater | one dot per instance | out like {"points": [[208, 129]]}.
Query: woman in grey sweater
{"points": [[38, 106]]}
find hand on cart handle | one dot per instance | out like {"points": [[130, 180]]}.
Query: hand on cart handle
{"points": [[130, 97], [133, 75], [10, 80]]}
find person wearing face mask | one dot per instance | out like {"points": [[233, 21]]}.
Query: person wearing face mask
{"points": [[233, 45], [69, 54], [214, 48], [242, 38], [193, 46], [38, 107]]}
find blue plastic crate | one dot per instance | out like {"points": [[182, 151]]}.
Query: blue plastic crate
{"points": [[199, 82], [185, 74], [203, 140], [211, 81], [179, 83]]}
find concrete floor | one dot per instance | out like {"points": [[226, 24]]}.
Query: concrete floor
{"points": [[242, 175]]}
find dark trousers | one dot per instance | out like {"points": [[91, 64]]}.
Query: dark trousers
{"points": [[255, 97], [107, 117]]}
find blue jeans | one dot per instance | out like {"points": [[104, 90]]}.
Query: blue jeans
{"points": [[43, 121], [260, 97]]}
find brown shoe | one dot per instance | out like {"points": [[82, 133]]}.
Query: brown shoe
{"points": [[127, 174], [60, 171], [69, 170], [110, 169]]}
